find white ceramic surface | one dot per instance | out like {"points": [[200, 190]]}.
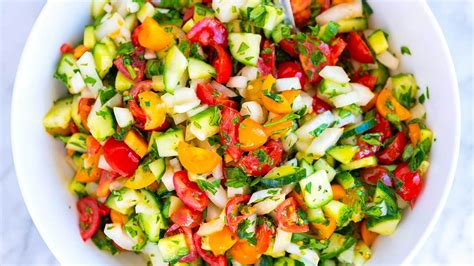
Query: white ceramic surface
{"points": [[43, 175]]}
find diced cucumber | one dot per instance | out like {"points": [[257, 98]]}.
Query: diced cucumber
{"points": [[286, 261], [361, 163], [89, 73], [102, 58], [158, 167], [122, 200], [200, 12], [346, 180], [324, 141], [426, 134], [362, 253], [339, 211], [76, 118], [198, 69], [66, 70], [135, 232], [245, 47], [328, 263], [322, 164], [111, 46], [307, 166], [328, 31], [378, 42], [283, 175], [97, 8], [405, 89], [343, 153], [316, 189], [122, 83], [101, 122], [384, 193], [205, 123], [331, 88], [337, 244], [273, 17], [77, 142], [167, 143], [316, 215], [353, 24], [359, 128], [89, 37], [171, 205], [59, 116], [173, 247], [381, 73], [188, 25], [150, 219], [131, 22], [384, 225], [282, 31], [175, 66], [347, 256], [147, 10]]}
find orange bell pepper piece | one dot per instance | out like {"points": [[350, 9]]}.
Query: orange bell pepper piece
{"points": [[152, 36], [338, 192], [414, 133], [367, 236], [325, 230], [387, 104]]}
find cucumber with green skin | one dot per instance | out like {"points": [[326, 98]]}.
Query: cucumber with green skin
{"points": [[316, 189], [135, 232], [337, 244], [382, 75], [405, 89], [245, 47], [352, 24], [167, 142], [122, 200], [151, 221], [361, 163], [347, 180], [175, 66], [359, 128], [378, 42], [343, 153], [173, 247], [59, 116], [283, 175], [341, 212]]}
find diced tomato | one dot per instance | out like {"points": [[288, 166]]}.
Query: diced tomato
{"points": [[106, 178], [268, 55], [135, 33], [208, 31], [289, 46], [66, 48], [93, 146], [89, 217], [84, 109], [288, 219], [263, 69], [137, 112], [302, 18], [210, 96], [103, 210], [185, 217], [189, 192], [120, 157], [358, 49], [188, 14], [262, 160], [236, 211], [188, 235], [299, 5], [223, 64], [365, 149], [290, 69], [229, 132], [207, 256], [383, 127], [394, 149], [408, 184], [372, 175], [132, 66], [263, 235], [320, 106], [367, 80]]}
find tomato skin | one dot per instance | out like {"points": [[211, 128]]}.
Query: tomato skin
{"points": [[103, 210], [135, 33], [189, 192], [93, 146], [185, 217], [138, 65], [394, 150], [365, 149], [251, 163], [223, 64], [229, 132], [372, 175], [367, 80], [208, 31], [383, 127], [207, 256], [89, 217], [287, 217], [290, 69], [289, 46], [268, 55], [320, 106], [410, 183], [210, 96], [137, 112], [188, 14], [264, 236], [120, 157], [106, 178], [66, 48], [358, 49], [244, 253], [233, 216]]}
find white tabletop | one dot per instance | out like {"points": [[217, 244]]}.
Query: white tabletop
{"points": [[451, 242]]}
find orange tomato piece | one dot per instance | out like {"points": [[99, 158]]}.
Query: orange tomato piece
{"points": [[197, 160], [325, 230], [277, 130], [140, 179], [136, 143], [255, 88], [79, 51], [154, 108], [222, 240], [117, 217], [251, 135], [338, 192], [89, 172], [387, 104], [244, 253], [414, 133], [367, 236], [290, 95], [276, 103], [152, 36]]}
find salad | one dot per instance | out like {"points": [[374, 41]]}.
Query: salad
{"points": [[214, 133]]}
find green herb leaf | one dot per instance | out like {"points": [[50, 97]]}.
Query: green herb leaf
{"points": [[236, 178], [405, 50]]}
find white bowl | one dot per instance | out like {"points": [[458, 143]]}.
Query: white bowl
{"points": [[44, 175]]}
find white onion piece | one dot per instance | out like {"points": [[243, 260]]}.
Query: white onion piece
{"points": [[218, 172], [168, 100], [179, 118], [418, 111], [104, 165], [238, 82], [349, 119], [184, 100], [149, 54], [264, 194], [87, 67], [286, 189], [212, 226], [175, 165], [304, 132], [388, 60], [301, 101], [227, 10], [167, 178], [119, 236], [345, 99], [213, 212], [282, 241], [289, 140], [302, 144], [117, 184], [77, 83], [334, 73], [249, 72], [153, 253], [341, 11], [268, 205], [123, 116], [223, 89], [308, 256], [233, 191], [110, 25], [327, 139], [115, 101], [253, 110], [365, 94], [196, 110], [220, 197], [285, 84]]}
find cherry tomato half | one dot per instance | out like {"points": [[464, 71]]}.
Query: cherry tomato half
{"points": [[229, 132], [291, 69], [373, 174], [287, 217], [188, 235], [222, 63], [236, 212], [120, 157], [263, 235], [383, 127], [320, 106], [132, 66], [394, 149], [185, 217], [358, 49], [289, 46], [207, 256], [210, 96], [189, 192], [268, 55], [262, 160], [89, 217], [365, 149], [408, 183], [208, 31], [66, 48]]}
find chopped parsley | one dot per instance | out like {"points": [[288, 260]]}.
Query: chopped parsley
{"points": [[236, 178], [209, 186], [405, 50]]}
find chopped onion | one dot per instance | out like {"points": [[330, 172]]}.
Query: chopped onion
{"points": [[117, 184], [365, 94], [327, 139], [345, 99], [213, 212], [285, 84], [289, 140], [184, 99], [103, 164], [301, 101], [212, 226], [238, 82], [167, 178], [223, 89], [249, 72], [218, 172], [418, 111], [349, 119], [308, 256], [253, 110], [341, 11], [227, 10], [261, 195], [282, 240], [303, 144], [334, 73], [110, 24], [123, 116], [233, 191], [151, 250], [179, 118], [149, 54], [119, 236], [220, 197], [196, 110], [286, 189], [304, 132], [115, 101], [388, 60], [77, 83], [268, 205]]}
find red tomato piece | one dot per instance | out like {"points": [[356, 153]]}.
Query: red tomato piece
{"points": [[185, 217], [367, 80], [210, 96], [383, 127], [207, 256], [394, 150], [235, 211], [189, 192], [358, 49], [208, 31], [229, 132], [223, 64], [106, 178], [290, 69], [271, 154], [135, 33], [373, 174], [264, 235], [120, 157], [84, 109], [103, 210], [137, 112], [289, 46], [365, 149], [268, 56], [132, 66], [320, 106], [188, 14], [66, 48], [408, 184], [89, 217], [287, 217]]}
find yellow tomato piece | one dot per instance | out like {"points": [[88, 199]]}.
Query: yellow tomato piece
{"points": [[244, 253], [277, 129], [197, 160], [140, 179], [276, 103], [154, 107], [117, 217], [338, 192], [325, 230], [414, 133], [152, 36], [251, 135], [136, 143], [89, 172], [255, 88], [290, 95], [221, 241], [387, 104]]}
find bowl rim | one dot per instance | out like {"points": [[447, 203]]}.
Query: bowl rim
{"points": [[29, 201]]}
